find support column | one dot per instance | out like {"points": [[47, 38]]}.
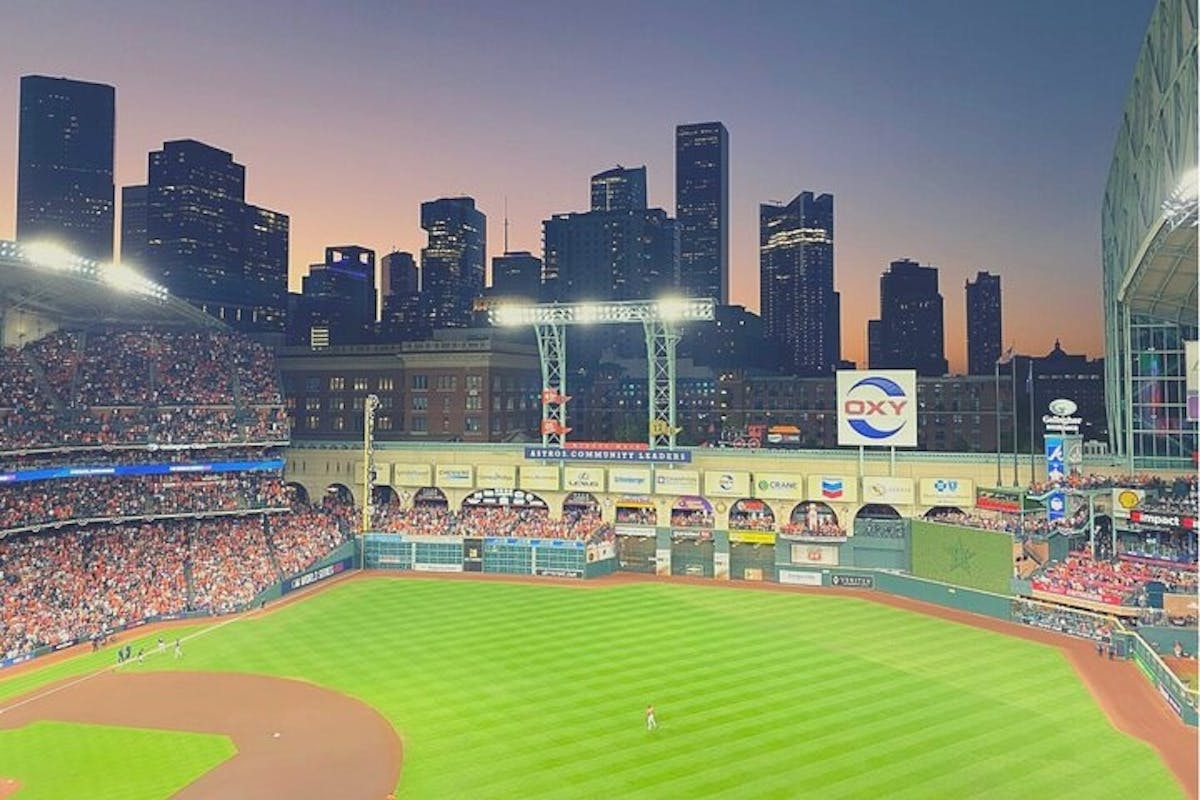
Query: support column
{"points": [[661, 341], [552, 348]]}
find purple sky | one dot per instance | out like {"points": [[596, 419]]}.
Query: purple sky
{"points": [[964, 134]]}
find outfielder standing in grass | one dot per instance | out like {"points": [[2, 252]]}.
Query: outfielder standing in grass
{"points": [[651, 723]]}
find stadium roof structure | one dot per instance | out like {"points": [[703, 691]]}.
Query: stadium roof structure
{"points": [[49, 281]]}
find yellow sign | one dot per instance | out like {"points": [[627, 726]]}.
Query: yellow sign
{"points": [[661, 427], [629, 480], [752, 537], [1126, 500], [539, 477], [417, 475], [833, 488], [583, 479], [727, 484], [453, 476], [948, 492], [782, 486], [676, 481], [496, 476], [887, 491]]}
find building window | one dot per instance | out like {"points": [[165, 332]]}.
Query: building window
{"points": [[471, 424], [419, 425], [337, 384], [360, 403], [360, 384], [386, 401], [339, 423], [337, 404], [474, 383], [314, 422], [420, 382], [420, 402], [312, 385], [447, 383], [385, 384], [312, 404], [445, 424], [474, 402], [384, 423], [445, 404]]}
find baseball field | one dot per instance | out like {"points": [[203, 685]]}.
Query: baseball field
{"points": [[490, 689]]}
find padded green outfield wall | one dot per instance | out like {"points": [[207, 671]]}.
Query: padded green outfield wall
{"points": [[963, 556]]}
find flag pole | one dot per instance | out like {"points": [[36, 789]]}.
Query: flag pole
{"points": [[1031, 426]]}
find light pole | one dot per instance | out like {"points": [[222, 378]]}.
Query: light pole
{"points": [[369, 408], [999, 480]]}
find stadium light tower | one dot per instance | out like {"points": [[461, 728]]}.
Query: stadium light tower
{"points": [[659, 318]]}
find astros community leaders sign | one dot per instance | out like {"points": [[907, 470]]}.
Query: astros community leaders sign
{"points": [[877, 408]]}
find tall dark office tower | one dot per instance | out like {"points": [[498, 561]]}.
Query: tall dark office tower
{"points": [[134, 240], [517, 274], [65, 164], [453, 261], [910, 333], [702, 209], [202, 241], [338, 299], [619, 189], [401, 317], [984, 326], [398, 274], [800, 309], [610, 255]]}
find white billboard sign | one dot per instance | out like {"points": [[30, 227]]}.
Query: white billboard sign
{"points": [[877, 408]]}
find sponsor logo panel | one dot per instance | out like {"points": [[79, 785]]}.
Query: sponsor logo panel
{"points": [[496, 476], [853, 581], [1126, 500], [892, 491], [877, 408], [676, 482], [541, 478], [752, 537], [453, 476], [833, 488], [823, 554], [948, 492], [727, 484], [416, 475], [585, 479], [800, 578], [629, 480], [779, 485]]}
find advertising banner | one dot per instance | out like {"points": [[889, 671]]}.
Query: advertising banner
{"points": [[601, 551], [129, 470], [541, 478], [1056, 462], [1161, 520], [676, 481], [1126, 500], [833, 488], [800, 578], [752, 537], [727, 484], [853, 581], [568, 453], [496, 476], [423, 567], [662, 561], [778, 485], [416, 475], [317, 575], [877, 408], [891, 491], [721, 566], [1191, 367], [629, 480], [947, 492], [583, 479], [823, 554], [453, 476], [642, 531], [1056, 505]]}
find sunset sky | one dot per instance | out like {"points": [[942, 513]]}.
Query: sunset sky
{"points": [[961, 133]]}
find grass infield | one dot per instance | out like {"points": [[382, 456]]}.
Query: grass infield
{"points": [[522, 690]]}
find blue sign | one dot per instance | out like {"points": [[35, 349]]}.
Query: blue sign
{"points": [[132, 470], [1056, 505], [1055, 460], [597, 454]]}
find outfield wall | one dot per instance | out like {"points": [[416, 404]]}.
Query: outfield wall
{"points": [[980, 559]]}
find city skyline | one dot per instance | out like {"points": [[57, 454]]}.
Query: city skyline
{"points": [[965, 158]]}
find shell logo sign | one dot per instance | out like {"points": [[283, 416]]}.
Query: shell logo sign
{"points": [[1126, 500]]}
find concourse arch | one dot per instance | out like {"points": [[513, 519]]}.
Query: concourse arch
{"points": [[692, 546], [340, 493], [298, 493], [431, 498]]}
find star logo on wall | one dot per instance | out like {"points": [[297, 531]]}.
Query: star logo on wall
{"points": [[961, 557]]}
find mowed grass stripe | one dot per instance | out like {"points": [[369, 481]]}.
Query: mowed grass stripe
{"points": [[503, 690]]}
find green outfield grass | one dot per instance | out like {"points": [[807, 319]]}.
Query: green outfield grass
{"points": [[516, 690]]}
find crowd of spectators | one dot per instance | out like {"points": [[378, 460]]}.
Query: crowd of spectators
{"points": [[76, 584], [43, 503], [1080, 624], [636, 515], [133, 386], [881, 528], [1030, 525], [1179, 548], [824, 529], [486, 521], [748, 521], [691, 518], [1113, 582]]}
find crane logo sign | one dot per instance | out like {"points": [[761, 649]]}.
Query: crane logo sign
{"points": [[877, 408]]}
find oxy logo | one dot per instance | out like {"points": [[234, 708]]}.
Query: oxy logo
{"points": [[873, 405], [832, 488]]}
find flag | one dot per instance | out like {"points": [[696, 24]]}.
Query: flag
{"points": [[1029, 380], [1007, 357]]}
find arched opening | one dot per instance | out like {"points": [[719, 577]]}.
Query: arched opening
{"points": [[431, 498], [384, 496], [581, 504], [944, 513], [692, 512], [338, 494], [877, 511], [297, 493], [502, 498], [636, 511], [815, 519], [750, 514]]}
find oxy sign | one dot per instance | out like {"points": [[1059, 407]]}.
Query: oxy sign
{"points": [[877, 408]]}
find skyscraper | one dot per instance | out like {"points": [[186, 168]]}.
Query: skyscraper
{"points": [[65, 164], [517, 274], [619, 189], [400, 289], [800, 309], [984, 329], [453, 260], [702, 209], [338, 299], [610, 255], [190, 228], [910, 330]]}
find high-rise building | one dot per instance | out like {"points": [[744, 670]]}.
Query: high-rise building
{"points": [[800, 309], [337, 305], [610, 255], [398, 274], [702, 209], [517, 274], [400, 318], [619, 189], [910, 332], [453, 261], [984, 328], [65, 164], [189, 228]]}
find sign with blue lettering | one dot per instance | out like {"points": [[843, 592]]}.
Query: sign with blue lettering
{"points": [[134, 470]]}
